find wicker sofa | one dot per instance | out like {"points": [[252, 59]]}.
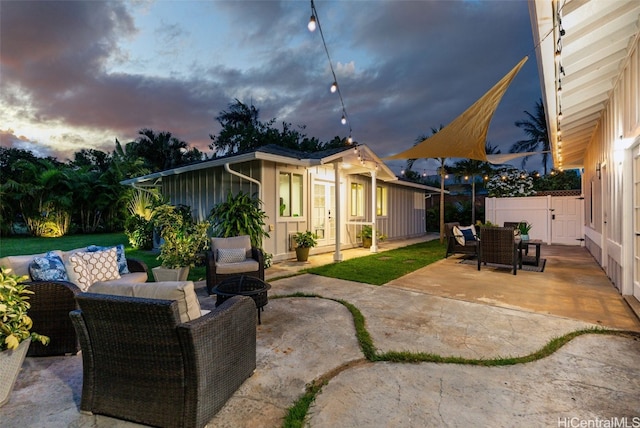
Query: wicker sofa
{"points": [[53, 300], [142, 364]]}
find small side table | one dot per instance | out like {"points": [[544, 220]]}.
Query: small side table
{"points": [[243, 285], [524, 245]]}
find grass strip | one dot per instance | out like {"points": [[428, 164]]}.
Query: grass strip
{"points": [[298, 411], [380, 268]]}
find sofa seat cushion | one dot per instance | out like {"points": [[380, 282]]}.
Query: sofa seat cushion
{"points": [[127, 278], [181, 291], [249, 265]]}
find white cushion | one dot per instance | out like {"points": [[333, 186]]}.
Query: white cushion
{"points": [[231, 255], [233, 242], [78, 272], [102, 265], [127, 278], [458, 235], [249, 265], [181, 291], [460, 231]]}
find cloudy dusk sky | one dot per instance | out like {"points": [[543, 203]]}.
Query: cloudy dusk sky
{"points": [[79, 74]]}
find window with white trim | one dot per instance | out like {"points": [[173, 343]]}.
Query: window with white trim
{"points": [[381, 201], [291, 194], [357, 200]]}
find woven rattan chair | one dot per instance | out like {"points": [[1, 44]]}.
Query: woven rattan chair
{"points": [[50, 307], [497, 246], [453, 246], [252, 265], [141, 364]]}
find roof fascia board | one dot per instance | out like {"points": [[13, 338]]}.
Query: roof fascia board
{"points": [[245, 157]]}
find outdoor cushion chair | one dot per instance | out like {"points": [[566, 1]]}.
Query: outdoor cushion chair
{"points": [[497, 246], [142, 364], [50, 306], [231, 257], [456, 241]]}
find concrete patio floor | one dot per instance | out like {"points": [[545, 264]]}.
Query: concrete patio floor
{"points": [[447, 308]]}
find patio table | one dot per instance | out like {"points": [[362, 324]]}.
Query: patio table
{"points": [[523, 245]]}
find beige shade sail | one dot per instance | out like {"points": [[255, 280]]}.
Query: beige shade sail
{"points": [[466, 136]]}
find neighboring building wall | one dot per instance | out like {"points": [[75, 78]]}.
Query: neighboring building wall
{"points": [[608, 204]]}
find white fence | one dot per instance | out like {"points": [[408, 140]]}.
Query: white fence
{"points": [[555, 219]]}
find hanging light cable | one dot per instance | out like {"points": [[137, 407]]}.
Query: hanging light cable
{"points": [[316, 19]]}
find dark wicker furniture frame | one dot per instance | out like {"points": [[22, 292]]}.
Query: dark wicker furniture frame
{"points": [[453, 246], [214, 278], [243, 285], [50, 307], [498, 246], [141, 364]]}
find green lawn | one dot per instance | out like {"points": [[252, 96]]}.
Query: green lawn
{"points": [[383, 267], [15, 246]]}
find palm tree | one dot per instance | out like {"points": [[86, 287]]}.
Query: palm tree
{"points": [[536, 129], [472, 168], [441, 171]]}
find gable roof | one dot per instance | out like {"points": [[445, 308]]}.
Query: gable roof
{"points": [[355, 160]]}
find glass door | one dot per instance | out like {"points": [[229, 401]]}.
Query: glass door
{"points": [[323, 212]]}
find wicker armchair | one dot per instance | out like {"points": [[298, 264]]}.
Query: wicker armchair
{"points": [[141, 364], [217, 270], [50, 307], [453, 246], [497, 245]]}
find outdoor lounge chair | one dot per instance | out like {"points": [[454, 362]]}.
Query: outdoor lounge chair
{"points": [[497, 246], [231, 257], [470, 247], [140, 363]]}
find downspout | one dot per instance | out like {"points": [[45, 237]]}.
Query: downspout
{"points": [[246, 177]]}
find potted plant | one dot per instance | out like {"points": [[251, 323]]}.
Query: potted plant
{"points": [[15, 330], [241, 215], [183, 242], [304, 241], [367, 236], [524, 228]]}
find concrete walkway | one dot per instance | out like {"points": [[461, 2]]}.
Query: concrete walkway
{"points": [[594, 377]]}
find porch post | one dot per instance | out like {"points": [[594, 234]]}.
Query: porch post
{"points": [[374, 196], [337, 255]]}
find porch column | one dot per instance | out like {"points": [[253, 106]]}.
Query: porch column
{"points": [[337, 255], [374, 196]]}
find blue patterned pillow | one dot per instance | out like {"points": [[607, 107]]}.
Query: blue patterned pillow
{"points": [[48, 268], [122, 260]]}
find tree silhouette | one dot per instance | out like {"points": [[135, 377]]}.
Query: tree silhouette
{"points": [[536, 129]]}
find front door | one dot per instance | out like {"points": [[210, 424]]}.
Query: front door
{"points": [[324, 207]]}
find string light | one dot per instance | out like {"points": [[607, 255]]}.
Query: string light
{"points": [[314, 22]]}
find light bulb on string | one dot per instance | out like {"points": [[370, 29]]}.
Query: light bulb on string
{"points": [[334, 87], [350, 140], [312, 24], [343, 120]]}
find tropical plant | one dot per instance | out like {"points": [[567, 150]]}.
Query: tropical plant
{"points": [[305, 239], [162, 151], [536, 129], [183, 239], [138, 226], [241, 215], [15, 324]]}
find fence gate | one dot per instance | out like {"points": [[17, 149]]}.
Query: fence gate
{"points": [[555, 219]]}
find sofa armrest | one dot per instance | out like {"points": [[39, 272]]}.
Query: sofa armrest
{"points": [[136, 265], [220, 353], [50, 306]]}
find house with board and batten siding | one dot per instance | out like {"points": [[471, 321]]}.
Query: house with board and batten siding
{"points": [[332, 193]]}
